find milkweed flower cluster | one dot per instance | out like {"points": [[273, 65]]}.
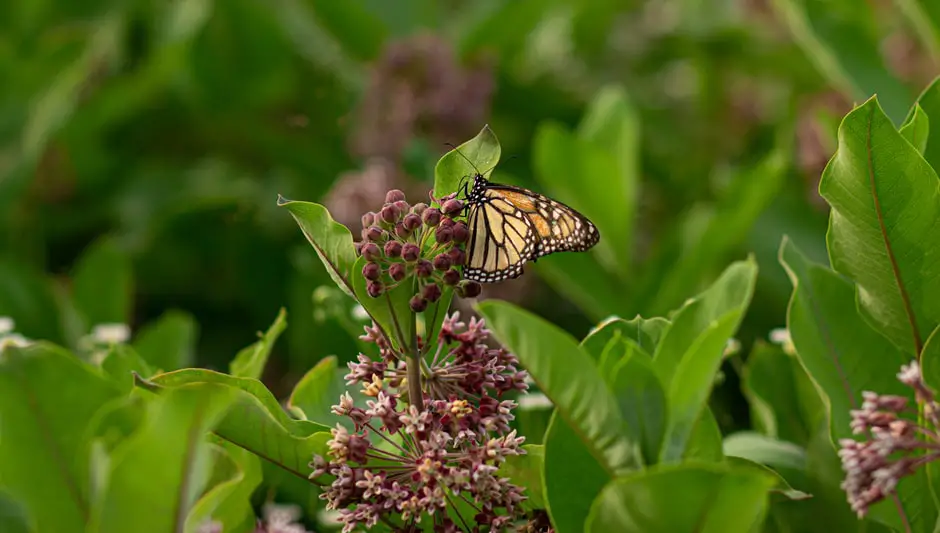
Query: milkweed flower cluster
{"points": [[895, 447], [403, 241], [401, 464]]}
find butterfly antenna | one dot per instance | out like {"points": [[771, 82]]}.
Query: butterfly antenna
{"points": [[467, 159]]}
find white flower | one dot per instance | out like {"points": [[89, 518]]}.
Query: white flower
{"points": [[359, 313], [111, 333], [781, 337], [13, 339], [6, 325]]}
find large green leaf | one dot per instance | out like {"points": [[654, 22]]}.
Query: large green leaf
{"points": [[250, 361], [691, 350], [479, 154], [844, 356], [229, 501], [169, 343], [170, 452], [13, 517], [316, 392], [526, 471], [569, 377], [883, 225], [257, 422], [122, 362], [689, 497], [567, 457], [47, 399], [840, 37], [916, 129], [101, 284]]}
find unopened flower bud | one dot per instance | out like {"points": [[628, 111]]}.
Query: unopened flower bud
{"points": [[417, 303], [371, 251], [402, 206], [452, 207], [457, 256], [451, 277], [447, 222], [419, 208], [469, 289], [374, 288], [432, 217], [424, 268], [371, 271], [397, 271], [443, 235], [442, 262], [401, 231], [411, 222], [368, 219], [373, 233], [390, 213], [431, 291], [461, 232], [410, 252], [393, 196], [393, 249]]}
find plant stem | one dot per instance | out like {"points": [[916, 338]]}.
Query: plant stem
{"points": [[415, 396]]}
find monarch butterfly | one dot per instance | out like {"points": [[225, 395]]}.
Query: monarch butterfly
{"points": [[511, 225]]}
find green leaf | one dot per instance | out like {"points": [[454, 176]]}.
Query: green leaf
{"points": [[691, 350], [317, 392], [101, 284], [916, 129], [557, 156], [569, 377], [840, 37], [391, 311], [567, 457], [610, 122], [122, 362], [844, 356], [929, 103], [169, 343], [257, 422], [705, 440], [229, 501], [47, 398], [839, 350], [713, 498], [642, 401], [781, 487], [331, 240], [882, 229], [250, 361], [170, 452], [27, 297], [526, 471], [479, 154], [774, 453], [13, 517], [930, 360], [784, 402]]}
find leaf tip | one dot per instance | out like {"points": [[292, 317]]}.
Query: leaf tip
{"points": [[281, 201]]}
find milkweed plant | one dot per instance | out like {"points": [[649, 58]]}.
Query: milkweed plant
{"points": [[494, 419]]}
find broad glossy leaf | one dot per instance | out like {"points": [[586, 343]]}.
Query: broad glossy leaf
{"points": [[691, 350], [101, 284], [13, 517], [569, 377], [526, 471], [883, 225], [713, 499], [645, 332], [762, 449], [390, 311], [229, 501], [705, 439], [250, 361], [170, 452], [840, 39], [642, 401], [257, 422], [845, 356], [929, 102], [916, 129], [331, 240], [317, 392], [782, 487], [566, 458], [47, 399], [483, 153], [784, 402], [169, 343]]}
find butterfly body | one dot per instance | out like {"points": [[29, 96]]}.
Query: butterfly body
{"points": [[510, 226]]}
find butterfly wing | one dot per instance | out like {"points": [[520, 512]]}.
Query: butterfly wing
{"points": [[511, 225]]}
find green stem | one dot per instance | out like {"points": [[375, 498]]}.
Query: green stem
{"points": [[415, 396]]}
